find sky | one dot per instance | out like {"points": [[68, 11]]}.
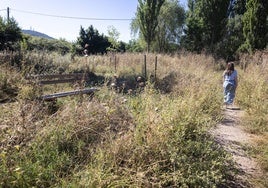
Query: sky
{"points": [[64, 18]]}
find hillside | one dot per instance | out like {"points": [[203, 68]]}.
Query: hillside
{"points": [[36, 34]]}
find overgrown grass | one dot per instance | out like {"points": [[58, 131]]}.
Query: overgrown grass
{"points": [[156, 138], [9, 85], [168, 147], [253, 96]]}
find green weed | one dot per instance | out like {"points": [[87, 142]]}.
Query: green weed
{"points": [[157, 137]]}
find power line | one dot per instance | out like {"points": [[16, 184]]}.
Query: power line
{"points": [[72, 17]]}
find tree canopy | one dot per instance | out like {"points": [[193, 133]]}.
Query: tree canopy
{"points": [[220, 27], [205, 22], [91, 41], [224, 27], [255, 25], [170, 26], [168, 30], [147, 16], [10, 33]]}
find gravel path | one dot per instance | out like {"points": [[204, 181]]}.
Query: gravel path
{"points": [[234, 140]]}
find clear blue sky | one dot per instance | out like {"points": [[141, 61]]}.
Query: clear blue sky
{"points": [[67, 28]]}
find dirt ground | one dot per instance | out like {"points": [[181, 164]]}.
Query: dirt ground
{"points": [[230, 134]]}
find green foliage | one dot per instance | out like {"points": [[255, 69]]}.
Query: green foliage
{"points": [[168, 30], [135, 46], [151, 139], [168, 148], [8, 86], [225, 27], [116, 46], [192, 41], [207, 19], [232, 40], [255, 25], [92, 41], [28, 93], [237, 7], [252, 96], [42, 44], [57, 152], [147, 16], [170, 24], [10, 33]]}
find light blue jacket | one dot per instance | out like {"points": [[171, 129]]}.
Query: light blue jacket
{"points": [[230, 79]]}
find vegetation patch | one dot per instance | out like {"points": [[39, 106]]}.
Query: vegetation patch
{"points": [[155, 137]]}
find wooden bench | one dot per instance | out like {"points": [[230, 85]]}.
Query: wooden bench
{"points": [[43, 79], [54, 96], [79, 78]]}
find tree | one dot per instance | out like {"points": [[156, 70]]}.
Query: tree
{"points": [[147, 16], [206, 21], [255, 25], [113, 36], [167, 34], [170, 27], [10, 34], [135, 45], [236, 7], [233, 34], [192, 40], [92, 41], [232, 39]]}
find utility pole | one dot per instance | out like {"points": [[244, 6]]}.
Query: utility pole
{"points": [[7, 14]]}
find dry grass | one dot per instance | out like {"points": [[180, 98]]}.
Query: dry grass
{"points": [[252, 95], [156, 138]]}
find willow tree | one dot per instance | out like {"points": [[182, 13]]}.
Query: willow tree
{"points": [[170, 27], [147, 14]]}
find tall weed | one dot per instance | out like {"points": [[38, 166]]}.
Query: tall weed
{"points": [[155, 138], [252, 95]]}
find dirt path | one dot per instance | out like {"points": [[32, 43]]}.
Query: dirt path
{"points": [[235, 140]]}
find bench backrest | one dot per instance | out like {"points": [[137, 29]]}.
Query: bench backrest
{"points": [[57, 78]]}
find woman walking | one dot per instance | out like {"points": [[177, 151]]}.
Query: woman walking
{"points": [[230, 83]]}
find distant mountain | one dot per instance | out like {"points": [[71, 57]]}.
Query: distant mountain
{"points": [[36, 34]]}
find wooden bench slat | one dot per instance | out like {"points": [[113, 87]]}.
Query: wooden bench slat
{"points": [[61, 78], [46, 82], [56, 76], [68, 93]]}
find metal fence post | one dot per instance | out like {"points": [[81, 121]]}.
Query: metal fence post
{"points": [[145, 67], [155, 66]]}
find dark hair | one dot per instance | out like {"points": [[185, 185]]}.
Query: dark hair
{"points": [[230, 68]]}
